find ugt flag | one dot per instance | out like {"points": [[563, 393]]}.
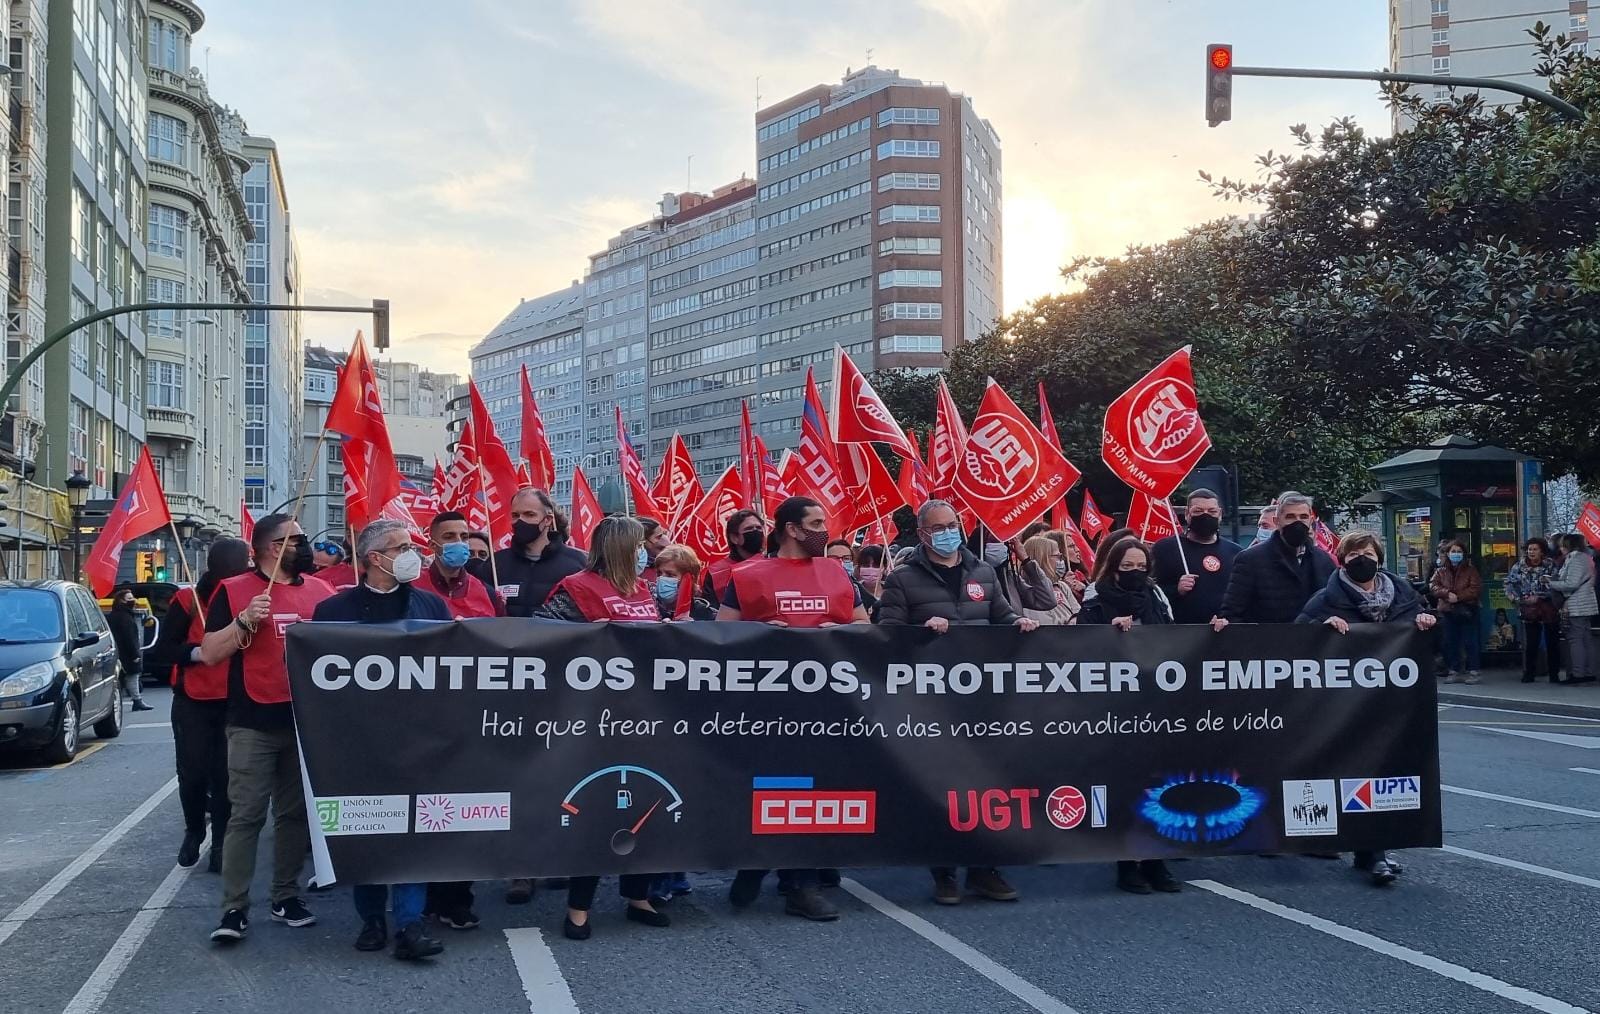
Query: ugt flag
{"points": [[1008, 474], [1153, 434]]}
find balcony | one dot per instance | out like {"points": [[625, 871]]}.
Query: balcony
{"points": [[187, 90], [178, 180], [170, 423]]}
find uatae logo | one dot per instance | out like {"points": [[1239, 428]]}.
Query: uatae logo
{"points": [[1379, 795], [1166, 423]]}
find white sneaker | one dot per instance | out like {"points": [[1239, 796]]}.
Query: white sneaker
{"points": [[1473, 679], [1451, 677]]}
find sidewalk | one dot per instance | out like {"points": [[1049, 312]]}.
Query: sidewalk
{"points": [[1503, 688]]}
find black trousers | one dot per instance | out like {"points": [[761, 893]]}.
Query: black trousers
{"points": [[580, 890], [798, 879], [451, 896], [200, 739], [1531, 633]]}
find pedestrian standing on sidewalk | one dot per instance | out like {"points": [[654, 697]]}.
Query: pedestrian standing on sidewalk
{"points": [[1576, 582], [125, 632], [1528, 585], [1457, 587]]}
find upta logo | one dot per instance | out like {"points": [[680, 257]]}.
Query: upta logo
{"points": [[797, 806]]}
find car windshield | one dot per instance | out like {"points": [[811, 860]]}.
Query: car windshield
{"points": [[29, 614]]}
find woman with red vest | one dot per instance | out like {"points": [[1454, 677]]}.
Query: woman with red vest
{"points": [[200, 704], [607, 590], [797, 586]]}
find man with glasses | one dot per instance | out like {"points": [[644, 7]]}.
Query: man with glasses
{"points": [[940, 585], [389, 565], [1193, 566], [245, 624]]}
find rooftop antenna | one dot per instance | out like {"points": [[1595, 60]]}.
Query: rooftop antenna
{"points": [[758, 92], [869, 56], [688, 176]]}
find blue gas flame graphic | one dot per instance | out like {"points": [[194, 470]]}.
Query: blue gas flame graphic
{"points": [[1214, 825]]}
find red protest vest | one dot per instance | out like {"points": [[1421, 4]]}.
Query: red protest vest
{"points": [[470, 598], [801, 593], [338, 577], [597, 599], [718, 574], [266, 676], [196, 680]]}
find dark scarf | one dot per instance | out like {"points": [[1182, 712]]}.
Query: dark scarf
{"points": [[1138, 604]]}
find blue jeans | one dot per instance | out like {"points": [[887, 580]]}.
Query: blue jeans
{"points": [[407, 899], [1461, 639]]}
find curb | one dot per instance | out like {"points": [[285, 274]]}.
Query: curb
{"points": [[1557, 708]]}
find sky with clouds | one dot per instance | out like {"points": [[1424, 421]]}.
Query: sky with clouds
{"points": [[456, 157]]}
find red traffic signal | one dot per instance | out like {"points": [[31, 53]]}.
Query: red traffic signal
{"points": [[1219, 83]]}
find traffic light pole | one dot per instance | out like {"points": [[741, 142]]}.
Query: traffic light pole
{"points": [[1561, 106]]}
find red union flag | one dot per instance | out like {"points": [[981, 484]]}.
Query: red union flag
{"points": [[1152, 519], [677, 488], [773, 490], [140, 510], [705, 528], [750, 470], [1153, 432], [1093, 523], [247, 522], [873, 492], [1589, 524], [945, 445], [644, 504], [913, 476], [859, 415], [586, 512], [535, 442], [1008, 474], [819, 465], [498, 476]]}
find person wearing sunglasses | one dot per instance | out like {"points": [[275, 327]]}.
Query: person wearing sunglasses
{"points": [[332, 559]]}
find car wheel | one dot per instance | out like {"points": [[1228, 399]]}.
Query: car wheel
{"points": [[63, 745], [110, 727]]}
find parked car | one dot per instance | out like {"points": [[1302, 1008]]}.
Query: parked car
{"points": [[58, 669]]}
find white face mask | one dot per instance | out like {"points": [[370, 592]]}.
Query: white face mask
{"points": [[407, 566]]}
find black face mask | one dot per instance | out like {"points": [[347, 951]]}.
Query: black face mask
{"points": [[300, 561], [1296, 533], [1132, 580], [752, 542], [525, 534], [1361, 568], [1204, 525]]}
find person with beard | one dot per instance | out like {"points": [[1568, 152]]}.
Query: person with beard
{"points": [[1193, 566], [746, 540], [538, 557], [390, 564], [795, 587], [200, 704], [1272, 581], [1124, 598], [1361, 591], [244, 628]]}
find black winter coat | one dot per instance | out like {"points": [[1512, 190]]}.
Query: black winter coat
{"points": [[916, 591], [1339, 599], [1268, 584], [127, 635], [534, 579]]}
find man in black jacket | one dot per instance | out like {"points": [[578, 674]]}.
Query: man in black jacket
{"points": [[1273, 581], [538, 557], [1193, 567], [944, 583], [126, 632]]}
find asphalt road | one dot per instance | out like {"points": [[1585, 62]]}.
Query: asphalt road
{"points": [[94, 916]]}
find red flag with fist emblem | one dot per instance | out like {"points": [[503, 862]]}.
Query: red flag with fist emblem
{"points": [[1007, 473], [859, 415], [1153, 433]]}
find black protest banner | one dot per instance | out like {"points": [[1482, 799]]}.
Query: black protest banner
{"points": [[498, 748]]}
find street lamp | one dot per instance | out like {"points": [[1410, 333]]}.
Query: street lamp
{"points": [[77, 493]]}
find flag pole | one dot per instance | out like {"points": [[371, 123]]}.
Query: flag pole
{"points": [[1177, 536], [183, 553], [299, 501]]}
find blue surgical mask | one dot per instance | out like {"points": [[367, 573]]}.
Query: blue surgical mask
{"points": [[1456, 557], [455, 554], [849, 568], [996, 553], [667, 589], [641, 560], [946, 542]]}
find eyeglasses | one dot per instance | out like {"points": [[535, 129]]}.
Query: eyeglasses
{"points": [[396, 549], [296, 540], [954, 526]]}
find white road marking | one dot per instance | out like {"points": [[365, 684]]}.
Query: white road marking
{"points": [[1558, 738], [542, 981], [1519, 801], [1427, 962], [93, 993], [1543, 871], [1536, 714], [1587, 771], [40, 898], [979, 962], [148, 725]]}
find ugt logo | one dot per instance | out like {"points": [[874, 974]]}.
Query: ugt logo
{"points": [[328, 815]]}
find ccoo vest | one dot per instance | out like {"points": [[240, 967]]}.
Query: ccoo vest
{"points": [[801, 593], [198, 681], [597, 599], [473, 599], [266, 676]]}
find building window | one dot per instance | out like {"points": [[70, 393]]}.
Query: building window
{"points": [[1441, 36], [169, 139], [165, 323], [910, 278], [902, 148], [911, 311], [908, 181], [167, 46], [1441, 7], [902, 114], [1441, 65], [908, 213], [78, 436], [1578, 22], [911, 343], [102, 155], [789, 122], [102, 252], [910, 245], [82, 226], [83, 116], [169, 229], [165, 388]]}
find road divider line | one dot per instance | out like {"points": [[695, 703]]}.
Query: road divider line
{"points": [[1387, 948], [1543, 871], [1519, 801], [1536, 714], [91, 996], [148, 725], [1558, 738], [979, 962], [542, 982], [1587, 771], [40, 898]]}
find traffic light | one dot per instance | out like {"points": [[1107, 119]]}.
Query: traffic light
{"points": [[142, 566], [158, 565], [1219, 83], [380, 323]]}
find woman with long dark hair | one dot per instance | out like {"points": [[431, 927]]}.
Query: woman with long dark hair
{"points": [[200, 704], [608, 589]]}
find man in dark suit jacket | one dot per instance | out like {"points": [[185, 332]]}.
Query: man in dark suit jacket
{"points": [[1272, 582]]}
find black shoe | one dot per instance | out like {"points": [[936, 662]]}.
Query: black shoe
{"points": [[232, 928], [214, 860], [142, 706], [189, 851], [572, 931], [745, 889], [414, 944], [827, 878], [647, 916], [374, 935], [946, 891], [988, 882], [808, 903], [1130, 879], [292, 912], [1159, 878], [785, 885], [520, 892], [459, 919], [1527, 677], [1382, 873]]}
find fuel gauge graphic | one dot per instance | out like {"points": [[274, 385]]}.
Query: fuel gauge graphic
{"points": [[636, 798]]}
